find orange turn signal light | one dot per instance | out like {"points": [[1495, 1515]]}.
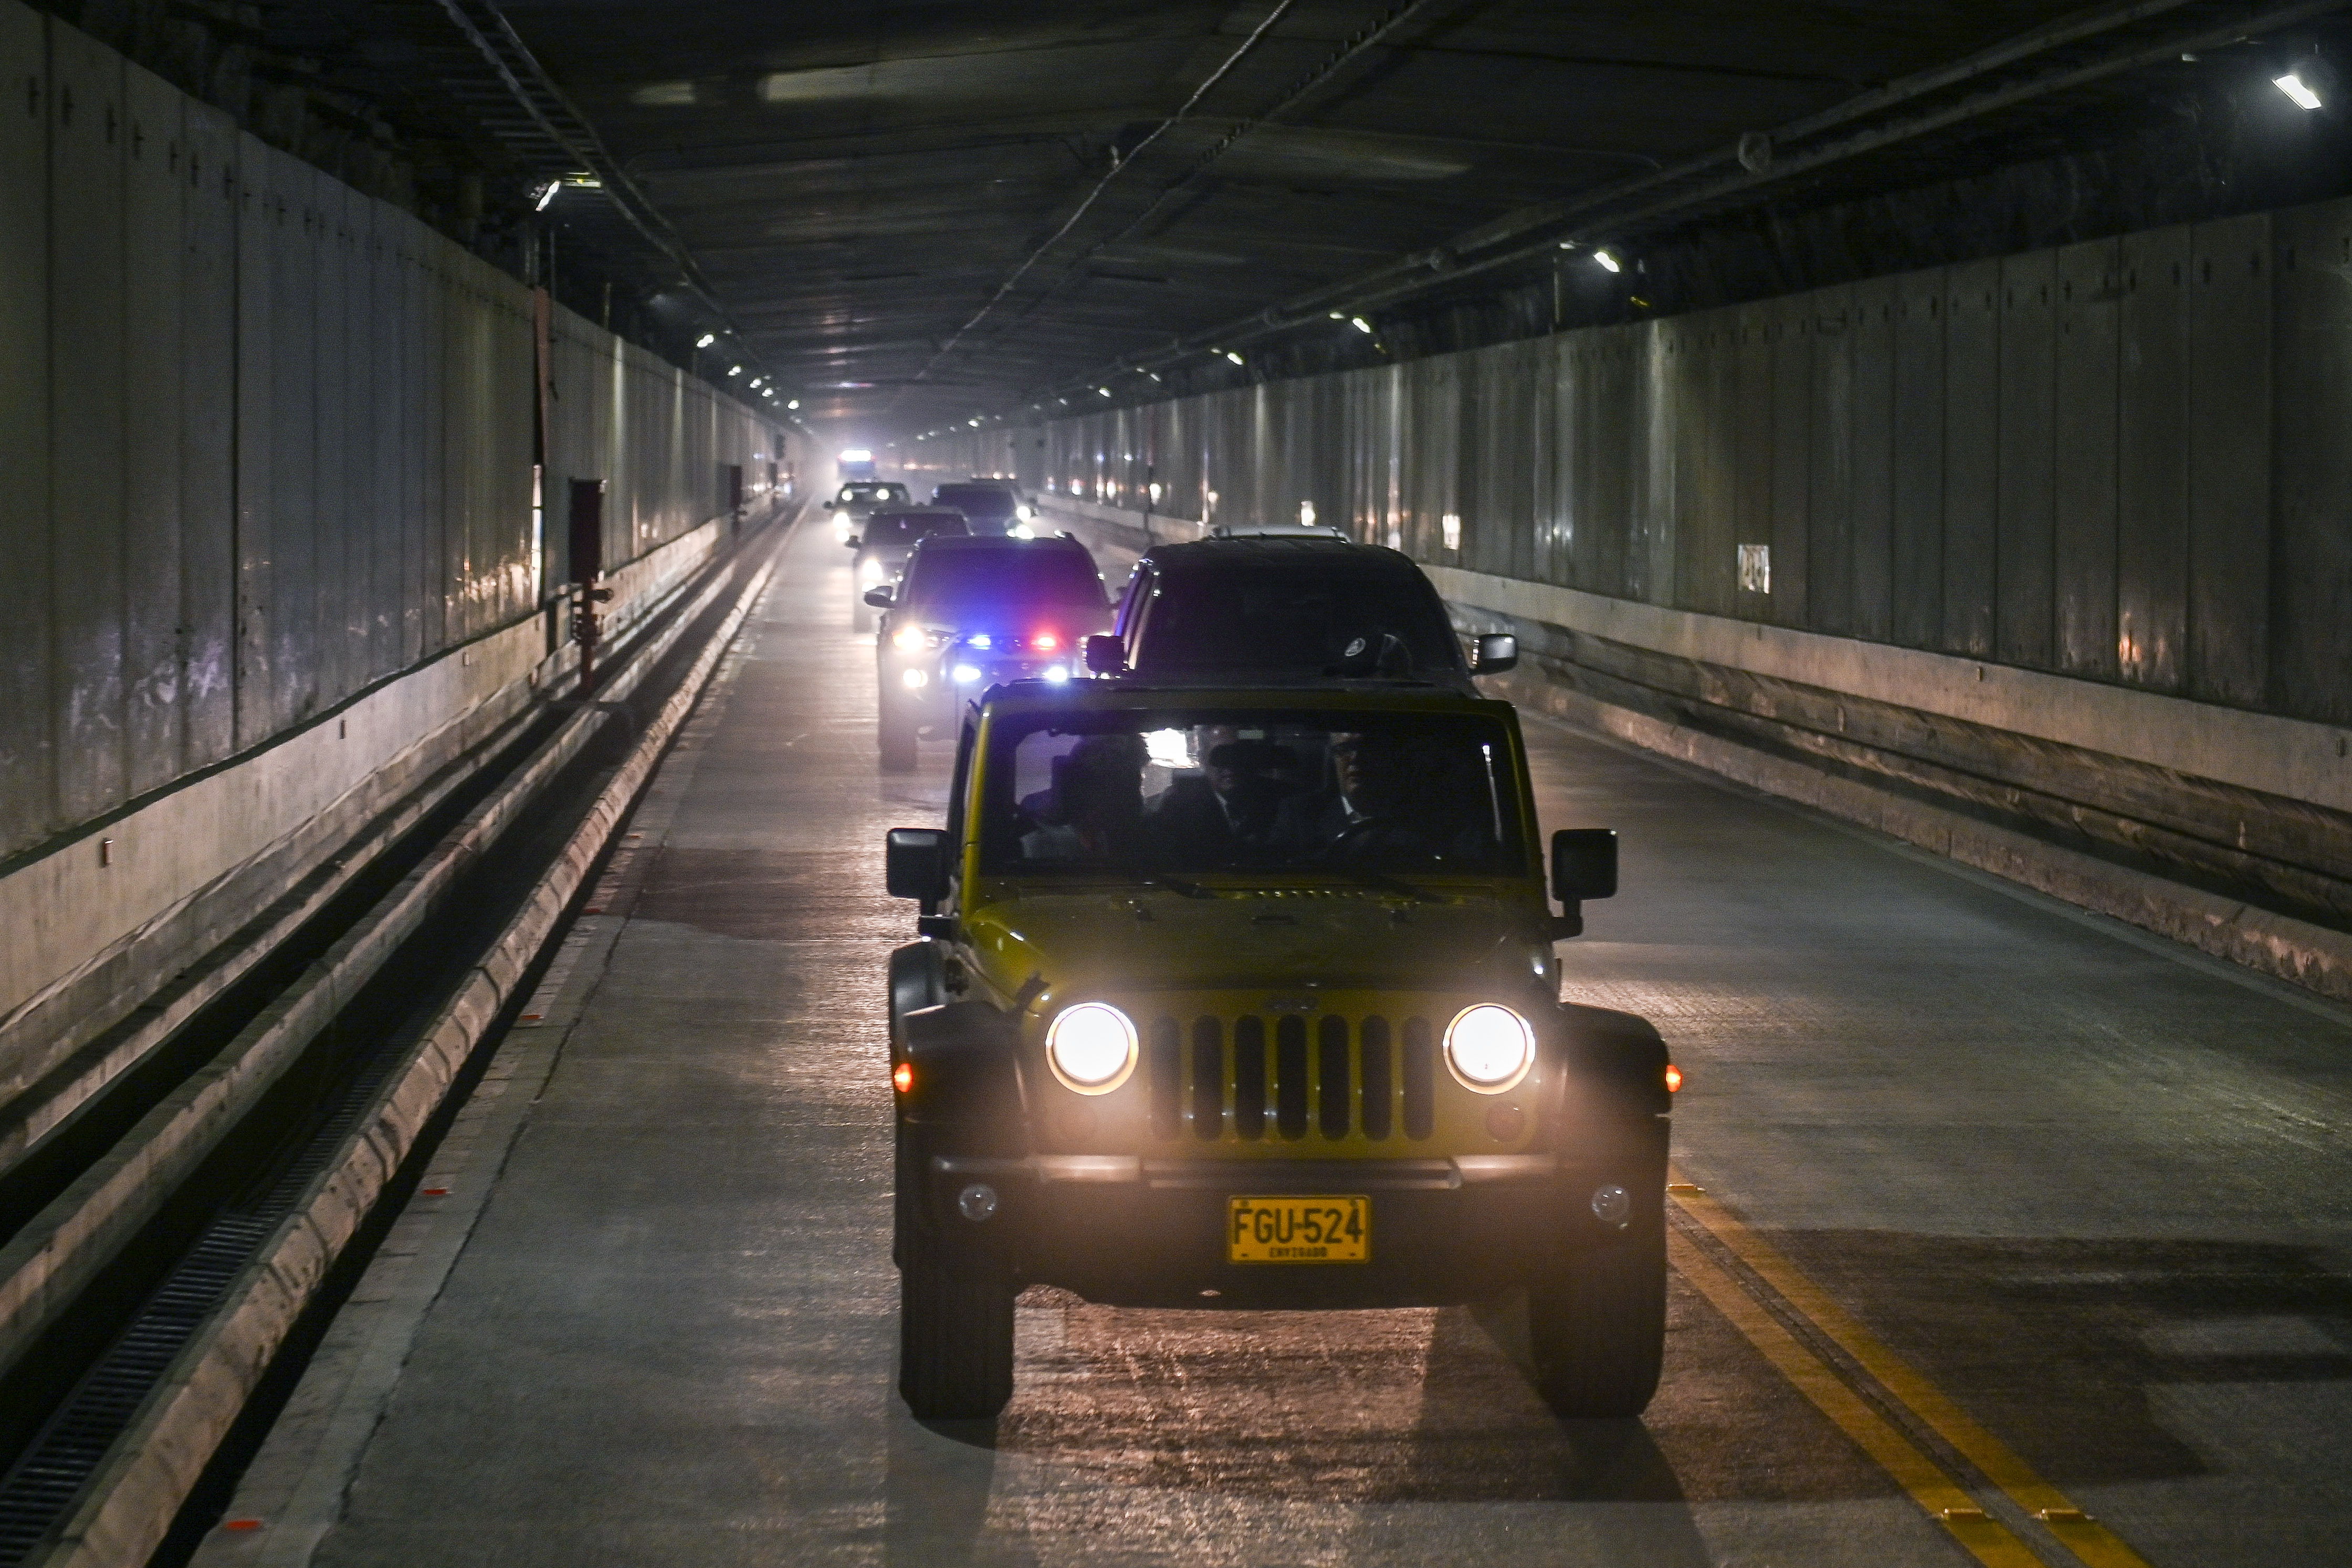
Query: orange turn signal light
{"points": [[902, 1077], [1674, 1078]]}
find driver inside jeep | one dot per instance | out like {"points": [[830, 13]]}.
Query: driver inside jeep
{"points": [[1194, 792]]}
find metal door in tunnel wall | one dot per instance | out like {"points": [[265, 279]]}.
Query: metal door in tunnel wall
{"points": [[1828, 465], [155, 198], [26, 784], [1790, 325], [332, 521], [86, 422], [2312, 592], [1752, 456], [1971, 453], [2025, 554], [1917, 532], [2152, 443], [2230, 458], [205, 404], [2089, 280], [294, 438], [1873, 423], [256, 223]]}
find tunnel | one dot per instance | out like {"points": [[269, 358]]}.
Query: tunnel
{"points": [[496, 886]]}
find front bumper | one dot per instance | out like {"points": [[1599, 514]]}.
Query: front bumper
{"points": [[1137, 1232]]}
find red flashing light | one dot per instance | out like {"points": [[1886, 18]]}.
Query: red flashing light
{"points": [[1674, 1078], [1047, 641], [902, 1077]]}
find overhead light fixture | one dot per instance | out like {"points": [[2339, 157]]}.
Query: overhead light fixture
{"points": [[1360, 324], [1608, 262], [1234, 357], [1338, 314], [547, 194], [794, 403], [1104, 390], [706, 340], [2297, 90], [734, 371]]}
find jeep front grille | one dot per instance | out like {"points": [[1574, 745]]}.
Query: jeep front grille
{"points": [[1219, 1079]]}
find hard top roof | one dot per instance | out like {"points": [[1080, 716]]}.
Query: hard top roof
{"points": [[1104, 696], [944, 542], [1264, 549]]}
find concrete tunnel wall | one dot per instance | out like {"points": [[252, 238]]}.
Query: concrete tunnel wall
{"points": [[267, 452], [2061, 538]]}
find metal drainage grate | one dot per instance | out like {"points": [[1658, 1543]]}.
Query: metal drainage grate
{"points": [[48, 1477]]}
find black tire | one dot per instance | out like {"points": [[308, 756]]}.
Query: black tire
{"points": [[955, 1319], [1598, 1328], [896, 737]]}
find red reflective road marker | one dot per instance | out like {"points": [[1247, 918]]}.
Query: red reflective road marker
{"points": [[432, 1192], [240, 1524]]}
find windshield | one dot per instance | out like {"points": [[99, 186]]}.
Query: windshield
{"points": [[1173, 792], [905, 527], [859, 494], [976, 586], [1288, 615], [978, 500]]}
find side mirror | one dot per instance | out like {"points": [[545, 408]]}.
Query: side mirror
{"points": [[853, 541], [828, 506], [915, 863], [881, 598], [1583, 864], [1106, 655], [1494, 653]]}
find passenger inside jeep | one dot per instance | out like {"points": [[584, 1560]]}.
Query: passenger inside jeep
{"points": [[1367, 791]]}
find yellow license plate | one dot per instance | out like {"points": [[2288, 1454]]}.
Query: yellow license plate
{"points": [[1298, 1230]]}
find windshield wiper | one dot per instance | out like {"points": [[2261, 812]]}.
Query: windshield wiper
{"points": [[1383, 879], [1161, 879]]}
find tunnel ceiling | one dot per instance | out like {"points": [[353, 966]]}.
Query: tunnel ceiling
{"points": [[915, 213]]}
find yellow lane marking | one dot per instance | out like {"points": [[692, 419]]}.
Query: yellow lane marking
{"points": [[1986, 1539], [2084, 1536]]}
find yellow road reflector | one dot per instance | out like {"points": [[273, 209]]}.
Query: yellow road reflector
{"points": [[1987, 1539], [2088, 1540]]}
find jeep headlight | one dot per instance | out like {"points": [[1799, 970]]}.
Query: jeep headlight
{"points": [[1489, 1048], [1091, 1047]]}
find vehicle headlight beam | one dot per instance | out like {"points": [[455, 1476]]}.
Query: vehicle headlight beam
{"points": [[1489, 1048], [1091, 1047]]}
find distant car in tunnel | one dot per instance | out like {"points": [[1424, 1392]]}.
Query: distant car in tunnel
{"points": [[1234, 998], [852, 501], [887, 538], [992, 504], [973, 612], [1288, 604]]}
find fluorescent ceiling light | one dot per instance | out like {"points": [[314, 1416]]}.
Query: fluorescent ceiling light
{"points": [[2295, 89]]}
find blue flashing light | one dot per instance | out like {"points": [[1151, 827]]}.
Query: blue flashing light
{"points": [[967, 672], [980, 640]]}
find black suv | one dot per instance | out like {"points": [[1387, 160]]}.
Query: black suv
{"points": [[1288, 607], [972, 612], [887, 543], [991, 504]]}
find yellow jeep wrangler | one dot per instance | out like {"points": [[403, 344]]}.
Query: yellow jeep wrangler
{"points": [[1247, 999]]}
